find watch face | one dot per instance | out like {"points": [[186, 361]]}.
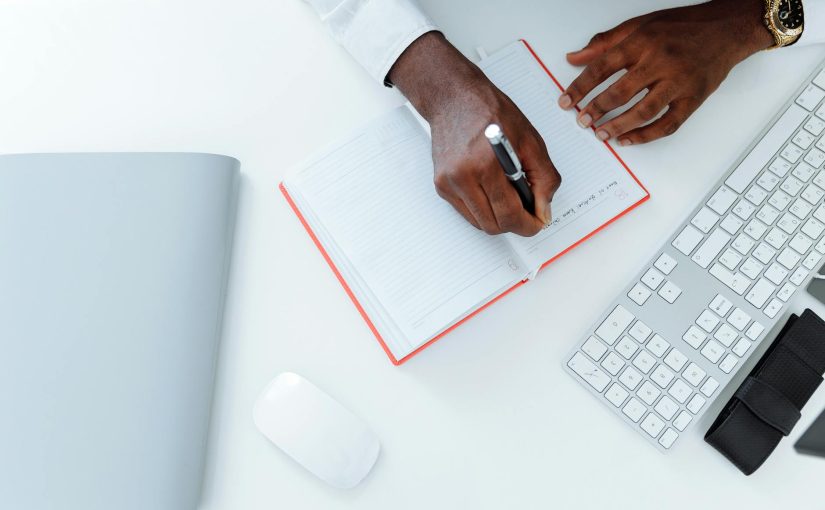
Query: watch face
{"points": [[790, 14]]}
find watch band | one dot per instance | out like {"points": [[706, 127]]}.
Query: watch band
{"points": [[767, 405]]}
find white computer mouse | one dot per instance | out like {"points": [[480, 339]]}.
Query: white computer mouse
{"points": [[316, 431]]}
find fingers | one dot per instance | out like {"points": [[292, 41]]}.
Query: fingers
{"points": [[544, 180], [459, 205], [618, 94], [594, 74], [509, 213], [604, 41], [669, 123], [656, 100]]}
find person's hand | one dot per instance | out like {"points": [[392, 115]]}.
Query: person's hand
{"points": [[680, 56], [459, 102]]}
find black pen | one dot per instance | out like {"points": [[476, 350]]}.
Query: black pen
{"points": [[511, 165]]}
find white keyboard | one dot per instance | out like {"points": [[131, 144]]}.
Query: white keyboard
{"points": [[682, 328]]}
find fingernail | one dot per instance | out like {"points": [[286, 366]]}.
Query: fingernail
{"points": [[585, 120], [565, 101], [625, 142], [602, 135]]}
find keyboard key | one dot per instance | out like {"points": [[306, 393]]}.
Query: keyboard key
{"points": [[662, 376], [811, 260], [812, 194], [668, 438], [666, 408], [731, 224], [760, 293], [801, 243], [769, 145], [634, 410], [687, 240], [728, 363], [675, 359], [694, 375], [626, 347], [776, 238], [739, 319], [594, 348], [744, 209], [788, 258], [810, 97], [640, 331], [819, 81], [743, 244], [665, 263], [768, 181], [707, 320], [713, 351], [792, 153], [791, 186], [589, 372], [658, 346], [644, 362], [648, 393], [801, 208], [721, 305], [725, 334], [751, 268], [813, 228], [773, 308], [786, 292], [756, 195], [670, 292], [696, 403], [721, 201], [788, 223], [754, 331], [803, 139], [710, 248], [767, 214], [815, 158], [680, 391], [780, 167], [742, 347], [652, 425], [639, 294], [709, 387], [616, 395], [780, 200], [631, 378], [798, 276], [612, 363], [653, 278], [737, 282], [815, 126], [694, 337], [705, 220], [682, 421], [776, 273], [756, 229], [803, 172], [615, 324], [730, 259]]}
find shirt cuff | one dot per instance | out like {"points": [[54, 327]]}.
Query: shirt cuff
{"points": [[379, 31], [814, 32]]}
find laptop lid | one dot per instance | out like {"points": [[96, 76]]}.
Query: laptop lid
{"points": [[112, 277]]}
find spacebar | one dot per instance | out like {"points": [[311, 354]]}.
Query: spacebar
{"points": [[769, 145]]}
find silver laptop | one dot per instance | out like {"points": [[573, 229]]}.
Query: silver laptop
{"points": [[113, 270]]}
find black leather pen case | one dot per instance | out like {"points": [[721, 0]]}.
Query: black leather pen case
{"points": [[768, 404]]}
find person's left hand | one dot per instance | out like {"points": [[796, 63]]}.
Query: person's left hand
{"points": [[680, 56]]}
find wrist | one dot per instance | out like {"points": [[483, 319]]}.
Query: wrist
{"points": [[432, 73], [746, 24]]}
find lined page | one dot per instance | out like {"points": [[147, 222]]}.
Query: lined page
{"points": [[426, 266], [595, 186]]}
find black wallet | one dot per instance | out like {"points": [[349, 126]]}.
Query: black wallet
{"points": [[767, 405]]}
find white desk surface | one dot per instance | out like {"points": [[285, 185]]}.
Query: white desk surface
{"points": [[485, 418]]}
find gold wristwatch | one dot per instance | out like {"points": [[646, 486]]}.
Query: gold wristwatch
{"points": [[785, 20]]}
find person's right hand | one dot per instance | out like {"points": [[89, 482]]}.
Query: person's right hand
{"points": [[459, 102]]}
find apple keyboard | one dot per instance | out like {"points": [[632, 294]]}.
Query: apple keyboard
{"points": [[683, 327]]}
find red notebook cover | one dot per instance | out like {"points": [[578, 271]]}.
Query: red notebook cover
{"points": [[360, 308]]}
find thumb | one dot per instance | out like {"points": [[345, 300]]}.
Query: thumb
{"points": [[603, 41]]}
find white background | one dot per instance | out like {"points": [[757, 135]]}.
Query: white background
{"points": [[485, 418]]}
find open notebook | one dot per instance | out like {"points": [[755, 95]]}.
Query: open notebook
{"points": [[413, 266]]}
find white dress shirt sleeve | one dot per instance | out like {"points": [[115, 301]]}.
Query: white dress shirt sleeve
{"points": [[814, 32], [375, 32]]}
